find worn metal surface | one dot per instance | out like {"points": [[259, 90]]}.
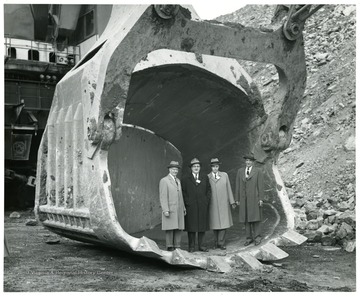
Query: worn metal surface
{"points": [[156, 87], [294, 24]]}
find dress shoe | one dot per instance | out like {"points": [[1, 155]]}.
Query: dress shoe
{"points": [[221, 247], [203, 249], [191, 250], [247, 242], [170, 249], [257, 240]]}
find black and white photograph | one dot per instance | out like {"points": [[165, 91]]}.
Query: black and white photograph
{"points": [[194, 146]]}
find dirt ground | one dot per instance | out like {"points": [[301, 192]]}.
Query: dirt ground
{"points": [[35, 266]]}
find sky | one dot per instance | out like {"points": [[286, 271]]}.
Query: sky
{"points": [[211, 9]]}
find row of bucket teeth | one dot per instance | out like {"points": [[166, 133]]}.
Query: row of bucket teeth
{"points": [[269, 251]]}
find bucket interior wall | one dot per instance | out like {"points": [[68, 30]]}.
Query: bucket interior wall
{"points": [[137, 162], [201, 114]]}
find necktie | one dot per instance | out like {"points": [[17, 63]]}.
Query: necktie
{"points": [[247, 171], [216, 176]]}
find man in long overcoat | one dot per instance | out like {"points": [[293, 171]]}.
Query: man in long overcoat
{"points": [[172, 204], [197, 194], [249, 194], [220, 217]]}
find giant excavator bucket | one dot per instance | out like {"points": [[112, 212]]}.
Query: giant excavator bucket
{"points": [[160, 85]]}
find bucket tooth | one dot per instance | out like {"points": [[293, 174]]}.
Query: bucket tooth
{"points": [[270, 252], [147, 245], [178, 258], [291, 238], [218, 264], [183, 258], [196, 260], [250, 261]]}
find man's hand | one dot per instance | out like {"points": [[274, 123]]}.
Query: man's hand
{"points": [[184, 211], [166, 213], [234, 205], [260, 203]]}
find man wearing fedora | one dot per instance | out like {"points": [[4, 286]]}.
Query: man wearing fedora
{"points": [[220, 217], [249, 194], [172, 204], [197, 194]]}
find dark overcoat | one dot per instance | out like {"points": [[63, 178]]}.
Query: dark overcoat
{"points": [[196, 198], [221, 199], [249, 191], [171, 200]]}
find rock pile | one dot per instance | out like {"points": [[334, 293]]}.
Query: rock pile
{"points": [[250, 15], [324, 214]]}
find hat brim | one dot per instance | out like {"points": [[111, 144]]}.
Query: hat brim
{"points": [[249, 158], [174, 166], [191, 165], [215, 163]]}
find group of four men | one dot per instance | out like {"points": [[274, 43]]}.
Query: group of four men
{"points": [[201, 202]]}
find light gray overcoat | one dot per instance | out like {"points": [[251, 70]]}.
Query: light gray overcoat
{"points": [[222, 197], [171, 200]]}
